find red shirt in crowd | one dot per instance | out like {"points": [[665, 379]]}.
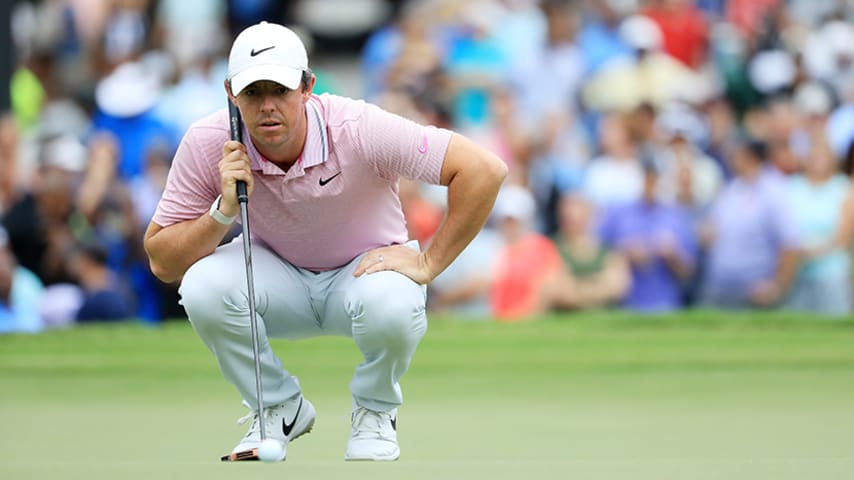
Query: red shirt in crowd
{"points": [[521, 271], [685, 31]]}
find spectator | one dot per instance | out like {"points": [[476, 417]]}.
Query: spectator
{"points": [[39, 221], [195, 94], [646, 76], [402, 55], [109, 219], [20, 294], [823, 281], [9, 139], [191, 29], [688, 176], [103, 299], [644, 130], [598, 276], [720, 119], [599, 37], [29, 88], [125, 36], [475, 64], [614, 177], [683, 27], [528, 263], [657, 239], [126, 101], [545, 86], [422, 217], [463, 288], [536, 81], [751, 237]]}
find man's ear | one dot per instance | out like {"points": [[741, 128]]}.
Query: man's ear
{"points": [[308, 86]]}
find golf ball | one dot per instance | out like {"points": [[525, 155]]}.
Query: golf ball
{"points": [[271, 450]]}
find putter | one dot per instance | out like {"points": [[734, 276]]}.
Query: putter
{"points": [[236, 127]]}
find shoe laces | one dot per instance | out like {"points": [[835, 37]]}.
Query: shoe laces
{"points": [[253, 415], [370, 424]]}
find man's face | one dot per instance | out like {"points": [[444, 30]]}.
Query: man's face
{"points": [[743, 162], [273, 114]]}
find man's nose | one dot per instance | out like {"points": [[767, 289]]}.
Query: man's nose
{"points": [[267, 102]]}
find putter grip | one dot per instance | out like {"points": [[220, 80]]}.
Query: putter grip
{"points": [[242, 196], [234, 122], [236, 129]]}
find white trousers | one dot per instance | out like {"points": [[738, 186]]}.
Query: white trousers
{"points": [[383, 312]]}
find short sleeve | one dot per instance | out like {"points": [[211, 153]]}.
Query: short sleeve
{"points": [[400, 148], [192, 184]]}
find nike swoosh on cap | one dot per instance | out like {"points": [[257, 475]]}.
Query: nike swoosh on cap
{"points": [[257, 52]]}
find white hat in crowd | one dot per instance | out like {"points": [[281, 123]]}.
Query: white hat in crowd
{"points": [[66, 153], [515, 202], [813, 99], [129, 90], [680, 120], [266, 51], [641, 32], [772, 70]]}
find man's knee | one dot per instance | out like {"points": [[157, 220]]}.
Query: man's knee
{"points": [[207, 292], [388, 305]]}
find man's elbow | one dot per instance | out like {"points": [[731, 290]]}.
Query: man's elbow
{"points": [[496, 168], [164, 274]]}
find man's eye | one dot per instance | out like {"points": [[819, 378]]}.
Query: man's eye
{"points": [[249, 92], [282, 90]]}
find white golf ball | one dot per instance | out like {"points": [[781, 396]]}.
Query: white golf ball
{"points": [[271, 450]]}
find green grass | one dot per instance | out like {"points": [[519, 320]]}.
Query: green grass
{"points": [[597, 396]]}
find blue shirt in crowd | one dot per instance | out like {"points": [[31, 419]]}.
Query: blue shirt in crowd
{"points": [[135, 136], [752, 223], [655, 287]]}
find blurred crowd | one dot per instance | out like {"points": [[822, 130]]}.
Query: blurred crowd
{"points": [[663, 154]]}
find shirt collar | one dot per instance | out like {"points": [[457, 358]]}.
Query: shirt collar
{"points": [[314, 152]]}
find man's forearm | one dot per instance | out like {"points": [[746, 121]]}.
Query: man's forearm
{"points": [[172, 250], [471, 194], [469, 202]]}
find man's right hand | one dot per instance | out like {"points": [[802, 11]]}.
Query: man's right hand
{"points": [[234, 166]]}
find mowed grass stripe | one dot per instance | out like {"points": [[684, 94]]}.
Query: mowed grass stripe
{"points": [[600, 395]]}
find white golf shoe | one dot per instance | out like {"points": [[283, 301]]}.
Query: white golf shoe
{"points": [[373, 436], [284, 422]]}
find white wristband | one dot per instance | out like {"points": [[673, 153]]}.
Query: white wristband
{"points": [[219, 216]]}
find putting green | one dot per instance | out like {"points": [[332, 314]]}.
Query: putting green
{"points": [[594, 396]]}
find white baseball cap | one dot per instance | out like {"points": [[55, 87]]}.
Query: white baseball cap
{"points": [[641, 32], [266, 51], [515, 201]]}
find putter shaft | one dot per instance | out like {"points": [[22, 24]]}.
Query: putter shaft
{"points": [[253, 320]]}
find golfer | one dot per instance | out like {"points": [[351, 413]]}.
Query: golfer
{"points": [[330, 250]]}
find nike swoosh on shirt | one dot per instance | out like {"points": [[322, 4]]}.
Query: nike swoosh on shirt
{"points": [[423, 147], [324, 181], [286, 429]]}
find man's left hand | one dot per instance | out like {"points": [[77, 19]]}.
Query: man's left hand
{"points": [[398, 258]]}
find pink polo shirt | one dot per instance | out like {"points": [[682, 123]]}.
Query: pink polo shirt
{"points": [[337, 201]]}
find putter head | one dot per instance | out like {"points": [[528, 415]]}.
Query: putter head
{"points": [[244, 456]]}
